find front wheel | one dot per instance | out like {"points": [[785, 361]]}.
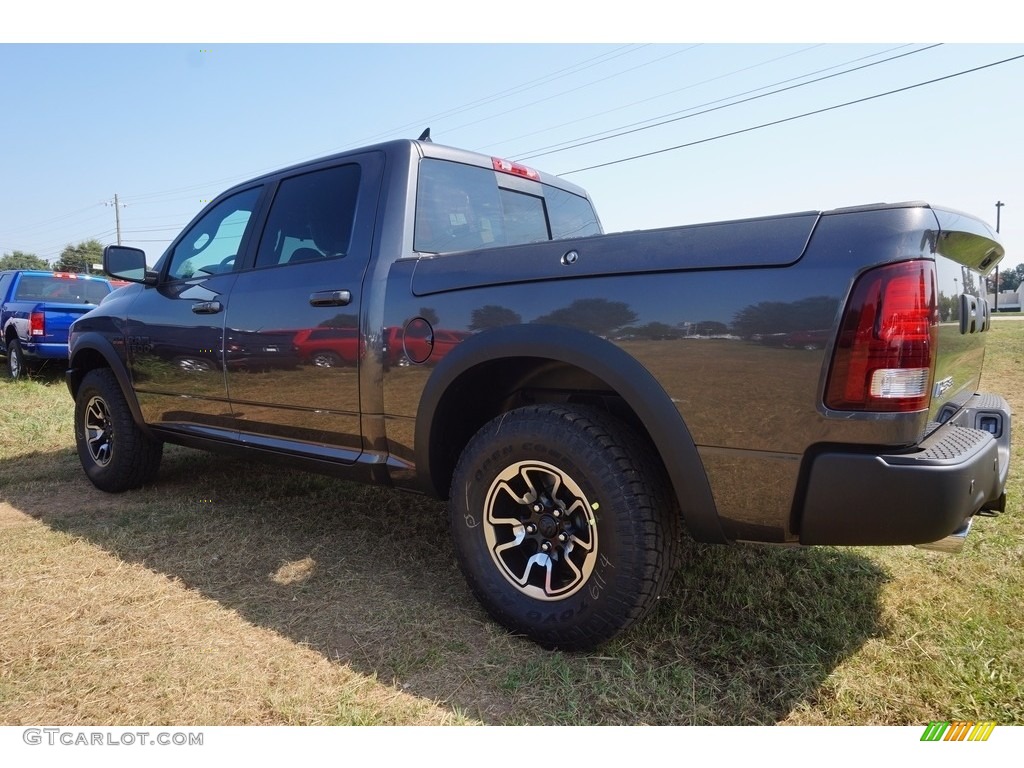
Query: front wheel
{"points": [[115, 454], [562, 524]]}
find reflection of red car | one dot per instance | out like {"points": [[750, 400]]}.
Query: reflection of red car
{"points": [[446, 341], [401, 347], [328, 347]]}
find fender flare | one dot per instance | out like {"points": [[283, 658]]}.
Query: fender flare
{"points": [[603, 359], [99, 343]]}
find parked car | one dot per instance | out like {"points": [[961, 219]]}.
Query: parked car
{"points": [[328, 347], [36, 310], [419, 342]]}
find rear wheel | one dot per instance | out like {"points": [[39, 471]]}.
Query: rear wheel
{"points": [[325, 359], [115, 454], [16, 366], [562, 524]]}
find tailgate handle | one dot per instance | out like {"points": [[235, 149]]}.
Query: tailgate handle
{"points": [[207, 307], [331, 298]]}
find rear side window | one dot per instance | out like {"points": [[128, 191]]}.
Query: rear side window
{"points": [[462, 207], [570, 215], [311, 217]]}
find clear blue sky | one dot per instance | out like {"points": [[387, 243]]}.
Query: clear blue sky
{"points": [[169, 125]]}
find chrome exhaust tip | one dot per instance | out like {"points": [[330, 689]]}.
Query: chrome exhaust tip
{"points": [[952, 543]]}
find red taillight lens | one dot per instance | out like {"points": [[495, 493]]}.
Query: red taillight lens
{"points": [[516, 169], [885, 353], [37, 324]]}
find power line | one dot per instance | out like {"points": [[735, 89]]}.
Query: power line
{"points": [[516, 89], [645, 125], [153, 229], [60, 218], [688, 87], [791, 118], [577, 88], [146, 197]]}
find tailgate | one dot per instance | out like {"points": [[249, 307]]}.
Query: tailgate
{"points": [[58, 319], [966, 251]]}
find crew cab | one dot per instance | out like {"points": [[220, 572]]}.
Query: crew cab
{"points": [[36, 310], [581, 399]]}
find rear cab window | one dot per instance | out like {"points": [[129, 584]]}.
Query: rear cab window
{"points": [[57, 289], [463, 207]]}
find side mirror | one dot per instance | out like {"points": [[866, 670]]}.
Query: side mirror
{"points": [[125, 263]]}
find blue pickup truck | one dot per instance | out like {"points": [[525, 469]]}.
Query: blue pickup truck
{"points": [[36, 310]]}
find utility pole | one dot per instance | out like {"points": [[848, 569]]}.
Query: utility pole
{"points": [[117, 215], [999, 205]]}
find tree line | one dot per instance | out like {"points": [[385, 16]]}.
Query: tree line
{"points": [[1010, 279], [74, 258]]}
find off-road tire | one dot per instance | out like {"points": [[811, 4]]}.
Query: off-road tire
{"points": [[115, 454], [562, 524]]}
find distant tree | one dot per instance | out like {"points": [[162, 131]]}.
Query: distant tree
{"points": [[493, 316], [599, 316], [813, 313], [1010, 279], [430, 315], [949, 308], [22, 260], [341, 320], [81, 257]]}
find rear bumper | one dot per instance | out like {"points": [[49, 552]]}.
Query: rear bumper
{"points": [[927, 495], [45, 350]]}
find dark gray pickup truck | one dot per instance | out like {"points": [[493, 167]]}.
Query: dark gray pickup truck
{"points": [[436, 320]]}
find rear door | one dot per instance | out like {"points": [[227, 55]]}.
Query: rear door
{"points": [[306, 276]]}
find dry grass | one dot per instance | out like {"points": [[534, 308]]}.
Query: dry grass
{"points": [[236, 594], [90, 638]]}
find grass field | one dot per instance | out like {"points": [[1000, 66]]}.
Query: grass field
{"points": [[231, 594]]}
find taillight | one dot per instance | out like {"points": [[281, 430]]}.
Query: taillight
{"points": [[885, 352], [507, 166], [37, 324]]}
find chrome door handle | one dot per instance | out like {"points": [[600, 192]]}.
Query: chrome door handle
{"points": [[207, 307], [330, 298]]}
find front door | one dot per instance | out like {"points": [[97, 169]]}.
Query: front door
{"points": [[176, 351]]}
